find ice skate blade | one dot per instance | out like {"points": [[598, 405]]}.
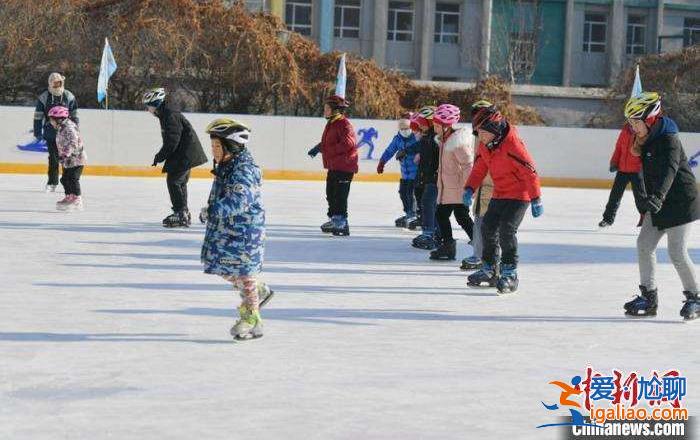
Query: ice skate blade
{"points": [[267, 299], [482, 285], [640, 316], [247, 337], [507, 292]]}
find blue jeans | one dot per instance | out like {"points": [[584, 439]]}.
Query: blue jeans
{"points": [[406, 188], [429, 206]]}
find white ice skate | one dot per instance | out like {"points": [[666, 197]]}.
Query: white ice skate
{"points": [[72, 203], [248, 326], [50, 188]]}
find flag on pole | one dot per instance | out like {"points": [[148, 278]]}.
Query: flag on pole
{"points": [[637, 87], [107, 68], [342, 77]]}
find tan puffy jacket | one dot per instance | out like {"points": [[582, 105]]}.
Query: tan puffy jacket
{"points": [[483, 195]]}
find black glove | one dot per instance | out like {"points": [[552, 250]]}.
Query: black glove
{"points": [[653, 204], [401, 155], [155, 163], [314, 151], [613, 168]]}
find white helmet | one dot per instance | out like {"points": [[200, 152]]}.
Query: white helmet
{"points": [[154, 97]]}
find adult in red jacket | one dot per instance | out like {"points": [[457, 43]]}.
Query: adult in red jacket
{"points": [[516, 185], [628, 167], [338, 148]]}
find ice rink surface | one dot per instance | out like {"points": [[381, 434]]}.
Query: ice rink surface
{"points": [[109, 328]]}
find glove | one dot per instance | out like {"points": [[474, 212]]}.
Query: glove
{"points": [[204, 214], [653, 204], [155, 162], [613, 168], [401, 155], [416, 159], [314, 151], [380, 167], [537, 207], [467, 197]]}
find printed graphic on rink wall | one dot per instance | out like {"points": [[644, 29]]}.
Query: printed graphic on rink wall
{"points": [[129, 139]]}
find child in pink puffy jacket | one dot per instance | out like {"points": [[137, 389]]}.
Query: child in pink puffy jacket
{"points": [[71, 155]]}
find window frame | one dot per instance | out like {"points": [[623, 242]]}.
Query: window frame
{"points": [[630, 46], [440, 36], [392, 33], [588, 25], [302, 29], [342, 30], [690, 31]]}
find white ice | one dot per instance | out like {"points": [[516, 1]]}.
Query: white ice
{"points": [[109, 328]]}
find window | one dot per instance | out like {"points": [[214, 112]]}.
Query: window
{"points": [[691, 32], [347, 18], [594, 30], [298, 16], [255, 5], [447, 23], [400, 27], [636, 34]]}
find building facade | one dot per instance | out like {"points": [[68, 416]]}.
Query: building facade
{"points": [[550, 42]]}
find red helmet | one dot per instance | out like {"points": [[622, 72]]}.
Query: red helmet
{"points": [[58, 112], [488, 119], [336, 102], [447, 114]]}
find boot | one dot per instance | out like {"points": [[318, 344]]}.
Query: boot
{"points": [[400, 222], [487, 274], [249, 324], [340, 226], [507, 281], [424, 241], [447, 251], [691, 308], [644, 304], [327, 227]]}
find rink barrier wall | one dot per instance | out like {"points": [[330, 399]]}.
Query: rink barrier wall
{"points": [[123, 143]]}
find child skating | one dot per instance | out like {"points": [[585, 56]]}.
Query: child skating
{"points": [[234, 242], [399, 147], [515, 186], [71, 155]]}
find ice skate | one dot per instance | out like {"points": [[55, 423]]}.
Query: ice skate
{"points": [[64, 201], [412, 223], [177, 220], [507, 281], [424, 241], [73, 203], [327, 227], [605, 224], [248, 326], [341, 228], [485, 275], [265, 294], [691, 308], [447, 251], [50, 188], [400, 222], [471, 263], [643, 305]]}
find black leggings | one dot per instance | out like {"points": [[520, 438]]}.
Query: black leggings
{"points": [[71, 180], [337, 192], [461, 215], [500, 226]]}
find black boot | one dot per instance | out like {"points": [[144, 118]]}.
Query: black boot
{"points": [[644, 304], [691, 308], [447, 251]]}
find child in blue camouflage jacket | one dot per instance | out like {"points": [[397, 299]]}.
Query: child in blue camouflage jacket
{"points": [[234, 242]]}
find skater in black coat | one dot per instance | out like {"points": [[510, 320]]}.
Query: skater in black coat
{"points": [[181, 151], [670, 204]]}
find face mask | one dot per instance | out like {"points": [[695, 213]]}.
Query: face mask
{"points": [[406, 132]]}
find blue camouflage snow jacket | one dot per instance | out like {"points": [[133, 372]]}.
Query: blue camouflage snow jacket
{"points": [[409, 169], [235, 236]]}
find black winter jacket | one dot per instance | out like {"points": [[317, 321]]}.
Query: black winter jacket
{"points": [[668, 179], [42, 127], [429, 158], [181, 148]]}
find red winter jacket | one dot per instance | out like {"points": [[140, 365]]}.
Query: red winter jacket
{"points": [[511, 168], [622, 158], [339, 146]]}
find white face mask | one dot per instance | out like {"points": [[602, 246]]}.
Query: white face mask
{"points": [[406, 132]]}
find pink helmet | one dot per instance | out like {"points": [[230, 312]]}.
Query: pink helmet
{"points": [[58, 112], [446, 114]]}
